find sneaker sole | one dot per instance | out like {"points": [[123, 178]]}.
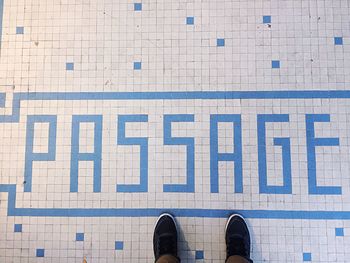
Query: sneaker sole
{"points": [[166, 214], [231, 216]]}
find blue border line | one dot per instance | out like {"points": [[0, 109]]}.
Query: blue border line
{"points": [[186, 95], [190, 95], [154, 212]]}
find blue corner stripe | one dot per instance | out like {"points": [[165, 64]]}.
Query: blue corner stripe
{"points": [[155, 212]]}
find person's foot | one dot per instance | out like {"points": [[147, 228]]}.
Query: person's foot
{"points": [[237, 237], [165, 236]]}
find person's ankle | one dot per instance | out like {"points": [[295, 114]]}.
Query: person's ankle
{"points": [[168, 258]]}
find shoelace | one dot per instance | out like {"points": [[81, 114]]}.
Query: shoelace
{"points": [[236, 246], [166, 245]]}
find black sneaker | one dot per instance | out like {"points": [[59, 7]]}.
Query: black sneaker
{"points": [[237, 237], [165, 237]]}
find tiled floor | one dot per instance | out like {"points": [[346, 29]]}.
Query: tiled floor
{"points": [[115, 111]]}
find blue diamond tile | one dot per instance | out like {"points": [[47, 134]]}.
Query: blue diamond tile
{"points": [[40, 252], [199, 254], [18, 228], [69, 66], [137, 6], [339, 232], [306, 256], [338, 41], [220, 42], [79, 236], [119, 245], [190, 20], [20, 30], [266, 19], [137, 65], [275, 64]]}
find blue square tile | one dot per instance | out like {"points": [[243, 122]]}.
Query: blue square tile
{"points": [[275, 64], [266, 19], [306, 256], [137, 65], [40, 252], [79, 236], [137, 6], [19, 30], [339, 232], [119, 245], [190, 20], [69, 66], [338, 41], [199, 254], [220, 42], [18, 228]]}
